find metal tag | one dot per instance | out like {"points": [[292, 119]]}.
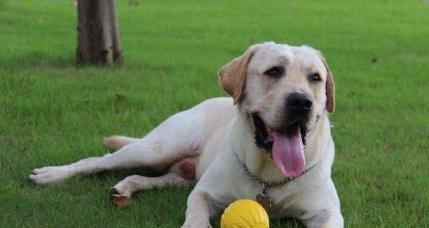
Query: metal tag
{"points": [[264, 200]]}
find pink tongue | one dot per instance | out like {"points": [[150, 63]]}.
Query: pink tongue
{"points": [[288, 153]]}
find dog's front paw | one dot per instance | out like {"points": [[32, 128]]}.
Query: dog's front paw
{"points": [[119, 199], [196, 224], [51, 174]]}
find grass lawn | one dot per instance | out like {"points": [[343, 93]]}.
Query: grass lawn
{"points": [[52, 112]]}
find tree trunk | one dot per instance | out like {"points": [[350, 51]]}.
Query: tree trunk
{"points": [[98, 33]]}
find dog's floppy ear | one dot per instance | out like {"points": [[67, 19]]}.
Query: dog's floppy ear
{"points": [[233, 75], [330, 88]]}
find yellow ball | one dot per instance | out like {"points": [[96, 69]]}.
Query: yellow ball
{"points": [[244, 214]]}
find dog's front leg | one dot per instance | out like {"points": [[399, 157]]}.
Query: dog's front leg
{"points": [[199, 210], [321, 207], [325, 219]]}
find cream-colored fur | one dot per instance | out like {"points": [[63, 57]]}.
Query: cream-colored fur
{"points": [[216, 132]]}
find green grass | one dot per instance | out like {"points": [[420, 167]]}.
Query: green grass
{"points": [[52, 112]]}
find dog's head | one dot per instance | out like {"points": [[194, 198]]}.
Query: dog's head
{"points": [[285, 90]]}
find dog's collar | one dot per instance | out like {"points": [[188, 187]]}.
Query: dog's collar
{"points": [[263, 198]]}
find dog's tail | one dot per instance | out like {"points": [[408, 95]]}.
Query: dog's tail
{"points": [[116, 142]]}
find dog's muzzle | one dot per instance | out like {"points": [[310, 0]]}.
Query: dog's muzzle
{"points": [[285, 142]]}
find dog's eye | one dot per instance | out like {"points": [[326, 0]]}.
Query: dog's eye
{"points": [[315, 77], [275, 72]]}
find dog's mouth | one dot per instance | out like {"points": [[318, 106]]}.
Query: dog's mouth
{"points": [[285, 146]]}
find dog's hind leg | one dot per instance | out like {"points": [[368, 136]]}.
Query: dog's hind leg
{"points": [[116, 142], [121, 193], [180, 174], [178, 137]]}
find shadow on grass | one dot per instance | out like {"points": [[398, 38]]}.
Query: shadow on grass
{"points": [[288, 222], [138, 196], [274, 223]]}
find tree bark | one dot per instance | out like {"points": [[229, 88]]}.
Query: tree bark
{"points": [[98, 33]]}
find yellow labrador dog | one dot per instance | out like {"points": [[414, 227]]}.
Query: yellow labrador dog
{"points": [[270, 142]]}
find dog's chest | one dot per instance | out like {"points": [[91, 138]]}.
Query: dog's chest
{"points": [[275, 199]]}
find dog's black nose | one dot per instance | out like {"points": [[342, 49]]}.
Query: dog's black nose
{"points": [[299, 103]]}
